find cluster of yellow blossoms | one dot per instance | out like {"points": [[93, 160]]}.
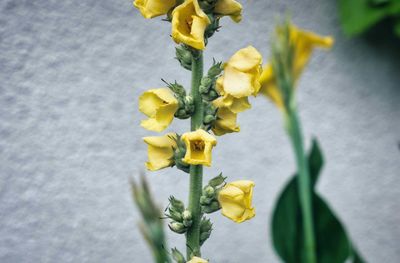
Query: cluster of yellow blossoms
{"points": [[244, 75]]}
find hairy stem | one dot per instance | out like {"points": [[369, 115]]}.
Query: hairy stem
{"points": [[304, 185], [196, 171]]}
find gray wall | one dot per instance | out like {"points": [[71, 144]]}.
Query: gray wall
{"points": [[70, 75]]}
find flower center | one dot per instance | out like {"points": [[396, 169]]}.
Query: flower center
{"points": [[198, 146]]}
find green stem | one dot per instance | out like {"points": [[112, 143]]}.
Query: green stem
{"points": [[304, 185], [196, 171]]}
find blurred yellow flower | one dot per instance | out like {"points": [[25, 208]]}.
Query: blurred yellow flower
{"points": [[226, 122], [197, 260], [229, 8], [189, 23], [160, 106], [303, 43], [199, 145], [235, 200], [160, 151], [153, 8]]}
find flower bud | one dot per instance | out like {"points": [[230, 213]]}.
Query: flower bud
{"points": [[213, 27], [184, 56], [206, 81], [205, 200], [177, 256], [217, 181], [174, 215], [186, 215], [211, 208], [205, 229], [208, 119], [177, 89], [176, 204], [209, 191], [177, 227], [215, 70]]}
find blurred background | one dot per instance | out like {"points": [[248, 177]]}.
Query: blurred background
{"points": [[70, 76]]}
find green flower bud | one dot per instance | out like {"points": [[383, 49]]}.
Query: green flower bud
{"points": [[176, 88], [206, 81], [176, 204], [217, 181], [215, 70], [174, 215], [204, 200], [205, 229], [184, 56], [213, 27], [203, 89], [186, 215], [211, 208], [177, 256], [209, 119], [212, 95], [209, 191], [177, 227]]}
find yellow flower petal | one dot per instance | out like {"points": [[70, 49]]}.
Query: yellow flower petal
{"points": [[304, 43], [245, 59], [235, 200], [199, 145], [160, 106], [189, 23], [153, 8], [226, 122], [160, 151], [229, 8]]}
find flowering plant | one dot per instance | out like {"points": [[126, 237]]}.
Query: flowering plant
{"points": [[212, 105]]}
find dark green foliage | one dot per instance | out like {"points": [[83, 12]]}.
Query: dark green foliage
{"points": [[333, 245]]}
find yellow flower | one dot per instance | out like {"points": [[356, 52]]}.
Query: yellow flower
{"points": [[197, 260], [189, 23], [199, 144], [160, 106], [226, 122], [304, 43], [160, 151], [153, 8], [240, 79], [229, 8], [235, 200]]}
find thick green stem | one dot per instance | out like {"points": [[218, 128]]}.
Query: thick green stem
{"points": [[196, 171], [304, 185]]}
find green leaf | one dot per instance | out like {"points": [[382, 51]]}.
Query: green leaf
{"points": [[333, 245], [359, 15]]}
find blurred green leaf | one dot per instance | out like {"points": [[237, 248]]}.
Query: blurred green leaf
{"points": [[359, 15], [333, 246]]}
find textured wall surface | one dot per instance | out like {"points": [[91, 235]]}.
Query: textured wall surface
{"points": [[70, 75]]}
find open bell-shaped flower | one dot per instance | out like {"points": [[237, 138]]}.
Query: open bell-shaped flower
{"points": [[153, 8], [199, 145], [160, 151], [189, 23], [235, 200], [160, 106], [239, 80]]}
